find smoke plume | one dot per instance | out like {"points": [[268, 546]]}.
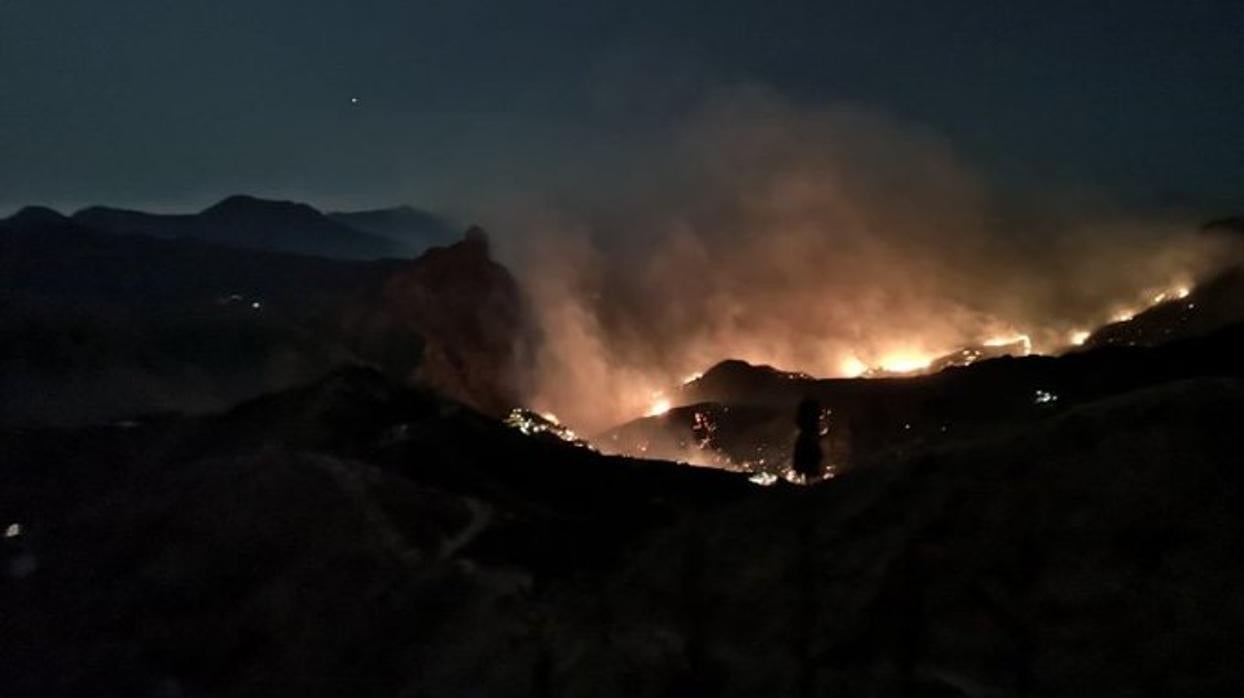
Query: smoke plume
{"points": [[819, 240]]}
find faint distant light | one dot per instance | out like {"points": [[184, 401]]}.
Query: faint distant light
{"points": [[354, 100], [256, 305], [14, 530], [1044, 397]]}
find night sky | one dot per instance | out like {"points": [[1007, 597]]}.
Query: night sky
{"points": [[172, 104]]}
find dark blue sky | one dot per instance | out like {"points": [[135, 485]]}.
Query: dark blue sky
{"points": [[173, 103]]}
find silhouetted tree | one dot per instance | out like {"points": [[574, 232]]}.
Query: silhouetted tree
{"points": [[807, 460]]}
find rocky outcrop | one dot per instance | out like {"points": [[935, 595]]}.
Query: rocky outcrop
{"points": [[473, 325]]}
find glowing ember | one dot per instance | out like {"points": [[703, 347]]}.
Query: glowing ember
{"points": [[703, 429], [532, 424], [763, 479], [1123, 316], [1175, 292]]}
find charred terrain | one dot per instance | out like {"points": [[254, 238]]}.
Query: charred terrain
{"points": [[236, 473]]}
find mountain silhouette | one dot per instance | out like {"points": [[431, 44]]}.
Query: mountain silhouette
{"points": [[251, 223]]}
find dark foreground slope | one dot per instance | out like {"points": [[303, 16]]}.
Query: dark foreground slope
{"points": [[357, 538], [348, 538]]}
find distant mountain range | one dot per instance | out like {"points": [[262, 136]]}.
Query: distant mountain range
{"points": [[96, 325], [280, 226]]}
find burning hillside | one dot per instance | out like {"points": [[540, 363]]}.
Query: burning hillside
{"points": [[917, 355], [737, 416], [740, 416], [832, 242]]}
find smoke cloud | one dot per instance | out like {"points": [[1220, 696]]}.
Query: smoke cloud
{"points": [[822, 240]]}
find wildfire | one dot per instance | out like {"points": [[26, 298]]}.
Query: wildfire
{"points": [[915, 356], [703, 429], [852, 367], [905, 363], [1174, 292], [533, 424], [660, 406], [1021, 339]]}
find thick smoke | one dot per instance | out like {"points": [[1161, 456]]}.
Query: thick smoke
{"points": [[817, 240]]}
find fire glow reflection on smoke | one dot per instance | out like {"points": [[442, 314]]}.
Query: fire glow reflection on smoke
{"points": [[833, 241]]}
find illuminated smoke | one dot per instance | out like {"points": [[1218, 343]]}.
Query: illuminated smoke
{"points": [[833, 241]]}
